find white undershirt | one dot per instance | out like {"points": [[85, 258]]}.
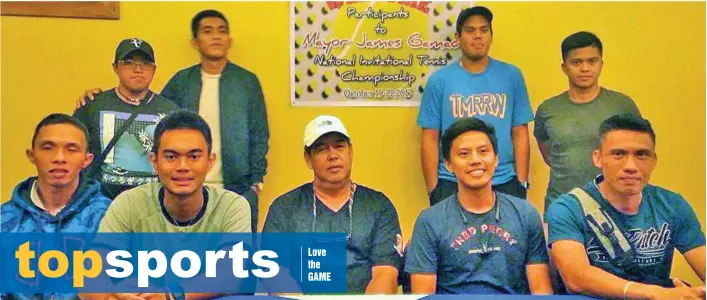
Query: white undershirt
{"points": [[209, 109], [34, 195]]}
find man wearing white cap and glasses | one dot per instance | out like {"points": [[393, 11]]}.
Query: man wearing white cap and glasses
{"points": [[334, 203]]}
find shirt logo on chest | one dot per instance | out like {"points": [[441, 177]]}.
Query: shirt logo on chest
{"points": [[649, 245], [476, 233], [478, 105]]}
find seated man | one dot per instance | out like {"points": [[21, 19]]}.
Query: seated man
{"points": [[59, 152], [121, 122], [645, 222], [334, 203], [180, 202], [477, 241], [56, 200]]}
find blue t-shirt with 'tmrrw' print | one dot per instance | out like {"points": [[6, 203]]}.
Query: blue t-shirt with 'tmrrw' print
{"points": [[497, 95]]}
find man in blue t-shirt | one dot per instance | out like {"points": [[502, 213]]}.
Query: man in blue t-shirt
{"points": [[478, 241], [653, 220], [477, 86]]}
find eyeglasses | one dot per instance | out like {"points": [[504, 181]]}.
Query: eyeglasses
{"points": [[133, 64], [314, 218]]}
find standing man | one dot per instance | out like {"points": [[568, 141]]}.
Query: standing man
{"points": [[57, 200], [121, 121], [483, 87], [231, 101], [334, 203], [566, 125], [477, 241], [615, 236]]}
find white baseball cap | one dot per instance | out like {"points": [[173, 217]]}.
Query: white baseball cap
{"points": [[322, 125]]}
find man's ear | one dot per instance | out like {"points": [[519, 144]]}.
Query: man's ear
{"points": [[212, 160], [153, 161], [351, 150], [194, 44], [88, 160], [28, 152], [308, 159], [596, 158], [655, 157]]}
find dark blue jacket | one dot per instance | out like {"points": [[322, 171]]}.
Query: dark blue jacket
{"points": [[244, 124]]}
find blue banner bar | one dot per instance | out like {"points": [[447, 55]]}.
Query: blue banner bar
{"points": [[183, 262]]}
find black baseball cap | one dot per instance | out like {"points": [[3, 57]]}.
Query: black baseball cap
{"points": [[131, 45], [473, 11]]}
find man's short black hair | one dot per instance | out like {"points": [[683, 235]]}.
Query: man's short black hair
{"points": [[626, 122], [182, 119], [205, 14], [474, 11], [59, 118], [462, 126], [578, 40]]}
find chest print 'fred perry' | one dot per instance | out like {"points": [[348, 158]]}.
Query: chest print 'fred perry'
{"points": [[484, 235], [476, 232]]}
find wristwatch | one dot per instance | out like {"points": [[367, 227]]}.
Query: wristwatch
{"points": [[525, 184]]}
